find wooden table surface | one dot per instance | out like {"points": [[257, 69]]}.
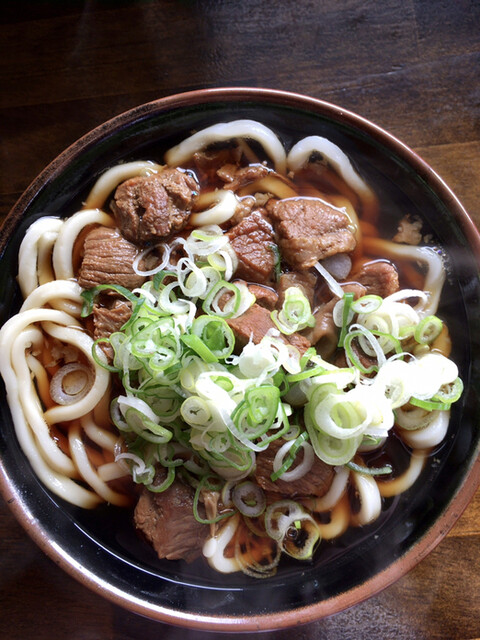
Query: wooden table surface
{"points": [[413, 67]]}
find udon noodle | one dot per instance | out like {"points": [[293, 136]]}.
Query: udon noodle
{"points": [[262, 373]]}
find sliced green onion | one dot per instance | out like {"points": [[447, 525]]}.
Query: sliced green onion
{"points": [[333, 285], [353, 357], [100, 360], [280, 380], [367, 304], [277, 260], [210, 304], [219, 443], [193, 405], [163, 400], [406, 331], [143, 426], [428, 329], [224, 382], [348, 299], [254, 416], [195, 343], [331, 450], [294, 529], [163, 486], [374, 344], [306, 373], [145, 476], [262, 403], [196, 411], [307, 356], [89, 296], [191, 278], [215, 334], [138, 309], [290, 459], [166, 453], [212, 276], [430, 405], [369, 471], [203, 484], [295, 313], [449, 393], [160, 276], [249, 499]]}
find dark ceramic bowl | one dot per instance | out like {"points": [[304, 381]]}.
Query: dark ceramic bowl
{"points": [[100, 547]]}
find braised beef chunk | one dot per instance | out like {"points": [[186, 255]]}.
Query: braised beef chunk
{"points": [[209, 162], [304, 280], [152, 208], [309, 230], [324, 328], [166, 520], [265, 296], [109, 319], [108, 259], [315, 482], [245, 207], [379, 278], [253, 242], [236, 178], [324, 333], [251, 325], [297, 340], [254, 325]]}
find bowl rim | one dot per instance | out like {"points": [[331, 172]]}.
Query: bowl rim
{"points": [[396, 569]]}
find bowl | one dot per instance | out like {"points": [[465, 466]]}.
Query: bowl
{"points": [[100, 548]]}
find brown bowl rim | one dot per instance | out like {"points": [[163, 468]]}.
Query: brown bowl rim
{"points": [[436, 532]]}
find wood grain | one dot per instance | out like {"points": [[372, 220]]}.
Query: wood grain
{"points": [[412, 67]]}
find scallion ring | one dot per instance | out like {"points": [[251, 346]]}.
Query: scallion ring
{"points": [[249, 499]]}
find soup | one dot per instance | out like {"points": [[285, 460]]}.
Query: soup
{"points": [[224, 344]]}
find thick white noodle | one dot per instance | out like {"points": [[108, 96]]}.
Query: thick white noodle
{"points": [[18, 394], [84, 343], [63, 249], [66, 293], [428, 256], [339, 520], [214, 548], [370, 499], [226, 205], [389, 488], [429, 436], [31, 407], [44, 257], [21, 321], [28, 255], [300, 153], [109, 180], [102, 437], [112, 471], [335, 492], [249, 129], [109, 442], [88, 473]]}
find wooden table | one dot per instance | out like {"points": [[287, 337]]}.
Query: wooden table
{"points": [[413, 67]]}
